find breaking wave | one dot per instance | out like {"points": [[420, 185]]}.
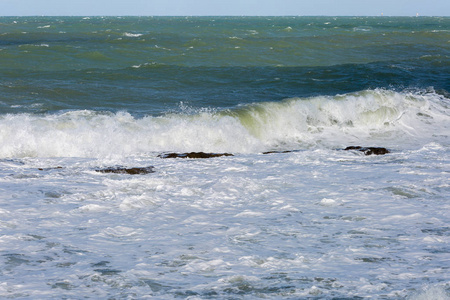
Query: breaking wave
{"points": [[376, 117]]}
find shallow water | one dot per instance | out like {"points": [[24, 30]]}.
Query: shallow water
{"points": [[322, 223], [317, 222]]}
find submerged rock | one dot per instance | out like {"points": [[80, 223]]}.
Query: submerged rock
{"points": [[284, 151], [365, 150], [369, 150], [193, 155], [131, 171], [51, 168]]}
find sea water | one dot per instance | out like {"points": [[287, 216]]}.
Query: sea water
{"points": [[290, 215]]}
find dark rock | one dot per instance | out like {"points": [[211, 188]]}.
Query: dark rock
{"points": [[369, 150], [131, 171], [193, 155], [47, 169], [285, 151]]}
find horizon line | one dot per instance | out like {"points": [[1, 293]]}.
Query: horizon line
{"points": [[381, 15]]}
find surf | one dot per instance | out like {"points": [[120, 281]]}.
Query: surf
{"points": [[377, 117]]}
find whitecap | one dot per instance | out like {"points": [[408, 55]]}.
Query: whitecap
{"points": [[375, 117], [127, 34]]}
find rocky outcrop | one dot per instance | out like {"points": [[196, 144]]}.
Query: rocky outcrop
{"points": [[47, 169], [369, 150], [285, 151], [365, 150], [193, 155], [131, 171]]}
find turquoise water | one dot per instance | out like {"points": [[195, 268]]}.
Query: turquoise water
{"points": [[147, 66], [79, 95]]}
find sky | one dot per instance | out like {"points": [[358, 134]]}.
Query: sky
{"points": [[224, 7]]}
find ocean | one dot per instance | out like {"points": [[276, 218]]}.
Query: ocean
{"points": [[287, 213]]}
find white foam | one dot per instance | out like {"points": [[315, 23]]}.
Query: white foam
{"points": [[371, 116], [128, 34], [433, 292], [328, 202], [92, 208], [247, 224], [375, 118]]}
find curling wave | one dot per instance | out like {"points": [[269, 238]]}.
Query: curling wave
{"points": [[375, 117]]}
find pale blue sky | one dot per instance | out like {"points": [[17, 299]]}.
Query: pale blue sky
{"points": [[225, 7]]}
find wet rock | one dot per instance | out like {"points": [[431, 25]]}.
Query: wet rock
{"points": [[131, 171], [47, 169], [193, 155], [369, 150], [285, 151]]}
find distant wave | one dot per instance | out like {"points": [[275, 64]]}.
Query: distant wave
{"points": [[375, 117]]}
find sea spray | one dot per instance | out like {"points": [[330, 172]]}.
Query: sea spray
{"points": [[377, 117]]}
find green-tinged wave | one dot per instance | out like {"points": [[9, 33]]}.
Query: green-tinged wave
{"points": [[375, 117]]}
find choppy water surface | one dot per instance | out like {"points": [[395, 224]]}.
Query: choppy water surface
{"points": [[82, 94]]}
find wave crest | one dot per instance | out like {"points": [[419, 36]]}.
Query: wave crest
{"points": [[375, 117], [368, 116]]}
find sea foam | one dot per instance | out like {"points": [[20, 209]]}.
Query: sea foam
{"points": [[376, 117]]}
